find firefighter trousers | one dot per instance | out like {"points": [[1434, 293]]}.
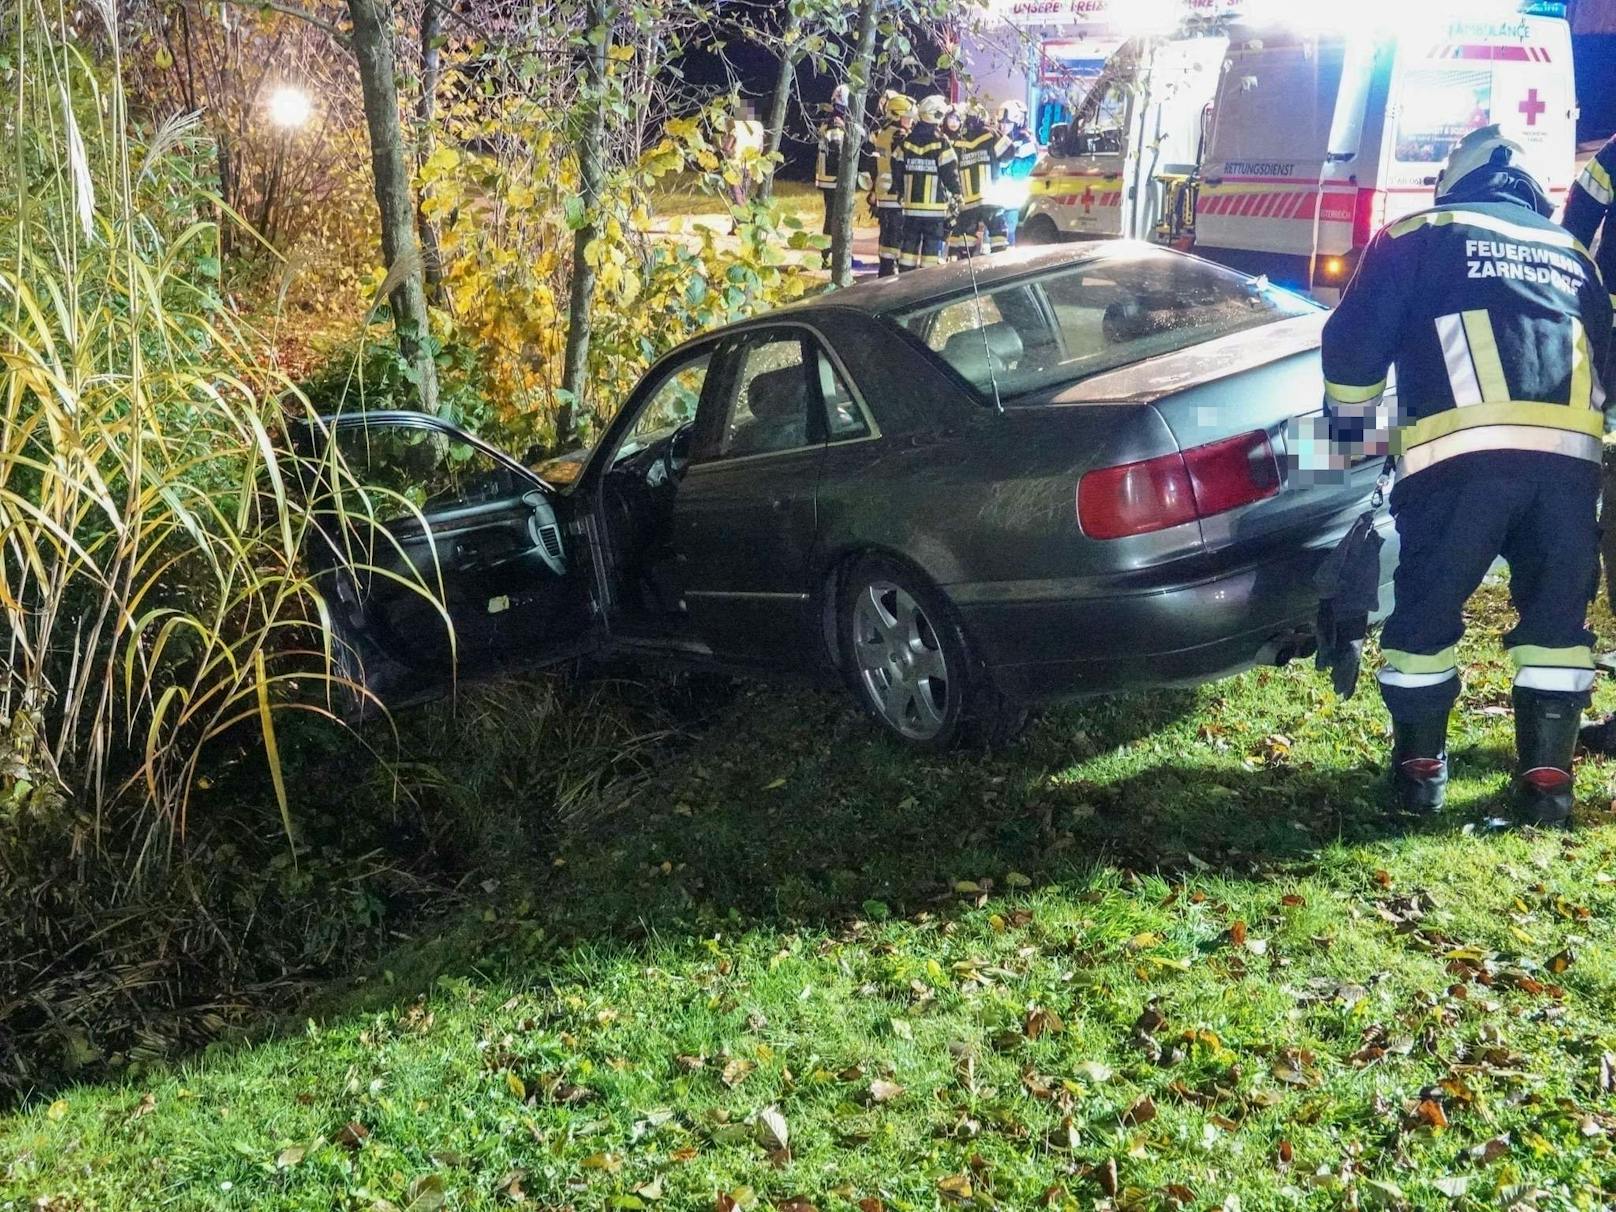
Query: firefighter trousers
{"points": [[1536, 511], [890, 219], [924, 238], [972, 224]]}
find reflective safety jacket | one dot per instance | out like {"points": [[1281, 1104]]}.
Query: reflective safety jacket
{"points": [[1593, 204], [925, 172], [884, 140], [832, 135], [1496, 321], [981, 152]]}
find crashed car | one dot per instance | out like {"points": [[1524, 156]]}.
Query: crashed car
{"points": [[1049, 474]]}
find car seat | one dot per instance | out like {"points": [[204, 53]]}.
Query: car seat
{"points": [[984, 352], [778, 402]]}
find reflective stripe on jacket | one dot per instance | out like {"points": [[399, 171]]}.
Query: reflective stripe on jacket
{"points": [[1593, 204], [925, 171], [1498, 326]]}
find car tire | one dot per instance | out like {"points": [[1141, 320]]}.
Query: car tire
{"points": [[1040, 229], [908, 662]]}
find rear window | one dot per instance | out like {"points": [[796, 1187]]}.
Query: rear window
{"points": [[1112, 311]]}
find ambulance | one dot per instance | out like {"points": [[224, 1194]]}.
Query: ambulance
{"points": [[1306, 141]]}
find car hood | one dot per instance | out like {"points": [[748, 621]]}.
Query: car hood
{"points": [[1150, 380]]}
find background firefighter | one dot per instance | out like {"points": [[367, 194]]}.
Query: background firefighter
{"points": [[925, 176]]}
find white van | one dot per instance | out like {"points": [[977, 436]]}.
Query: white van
{"points": [[1283, 153], [1119, 168], [1315, 144]]}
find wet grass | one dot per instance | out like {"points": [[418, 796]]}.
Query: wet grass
{"points": [[1164, 951]]}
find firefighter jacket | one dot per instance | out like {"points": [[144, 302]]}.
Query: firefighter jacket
{"points": [[981, 153], [832, 137], [1497, 324], [885, 140], [925, 172], [1592, 204]]}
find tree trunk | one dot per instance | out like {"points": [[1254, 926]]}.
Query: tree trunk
{"points": [[859, 72], [425, 104], [373, 48], [783, 84], [591, 173]]}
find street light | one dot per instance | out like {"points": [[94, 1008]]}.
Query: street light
{"points": [[290, 107]]}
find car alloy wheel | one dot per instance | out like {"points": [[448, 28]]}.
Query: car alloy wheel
{"points": [[900, 660]]}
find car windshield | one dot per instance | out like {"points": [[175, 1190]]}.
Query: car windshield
{"points": [[1105, 313]]}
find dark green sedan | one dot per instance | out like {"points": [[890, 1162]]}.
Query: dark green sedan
{"points": [[1052, 473]]}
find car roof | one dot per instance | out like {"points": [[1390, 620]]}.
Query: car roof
{"points": [[885, 296]]}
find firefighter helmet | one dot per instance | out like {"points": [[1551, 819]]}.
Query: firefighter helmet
{"points": [[897, 106], [932, 109], [1013, 112], [1485, 147]]}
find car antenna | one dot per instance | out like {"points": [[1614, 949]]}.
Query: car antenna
{"points": [[987, 352]]}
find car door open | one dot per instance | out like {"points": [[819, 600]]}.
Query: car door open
{"points": [[439, 556]]}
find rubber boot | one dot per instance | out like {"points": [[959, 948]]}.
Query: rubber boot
{"points": [[1420, 764], [1546, 726]]}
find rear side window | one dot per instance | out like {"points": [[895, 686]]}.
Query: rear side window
{"points": [[1436, 108], [1112, 311]]}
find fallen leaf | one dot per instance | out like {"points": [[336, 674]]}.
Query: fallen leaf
{"points": [[1042, 1021], [1430, 1112], [795, 1203], [1143, 941], [57, 1111], [871, 1204], [772, 1132], [1383, 878], [736, 1070], [1452, 1187], [1237, 933], [1093, 1071], [1561, 961], [352, 1135], [884, 1091], [1108, 1177], [601, 1161], [290, 1156], [1142, 1112], [517, 1087], [1015, 879], [426, 1194], [956, 1186]]}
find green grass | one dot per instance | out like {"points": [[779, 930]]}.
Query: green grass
{"points": [[1162, 952]]}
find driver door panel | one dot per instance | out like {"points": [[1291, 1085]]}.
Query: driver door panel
{"points": [[454, 565]]}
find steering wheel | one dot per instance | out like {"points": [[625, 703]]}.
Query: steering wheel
{"points": [[670, 465]]}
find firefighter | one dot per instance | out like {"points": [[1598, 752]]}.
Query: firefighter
{"points": [[1590, 210], [832, 140], [982, 153], [925, 176], [1498, 325], [1023, 156], [897, 116]]}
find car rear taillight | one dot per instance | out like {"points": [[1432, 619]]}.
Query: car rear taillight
{"points": [[1155, 494], [1232, 473], [1368, 216]]}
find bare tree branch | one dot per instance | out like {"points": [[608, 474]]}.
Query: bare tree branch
{"points": [[336, 34]]}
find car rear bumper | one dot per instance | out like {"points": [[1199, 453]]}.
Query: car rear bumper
{"points": [[1049, 639]]}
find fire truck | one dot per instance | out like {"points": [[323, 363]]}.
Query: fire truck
{"points": [[1280, 148]]}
